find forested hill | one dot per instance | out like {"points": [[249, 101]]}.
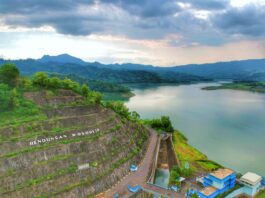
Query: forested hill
{"points": [[31, 66], [253, 70], [246, 70]]}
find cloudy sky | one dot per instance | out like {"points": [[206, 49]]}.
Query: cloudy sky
{"points": [[159, 32]]}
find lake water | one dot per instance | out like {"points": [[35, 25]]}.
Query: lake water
{"points": [[227, 125]]}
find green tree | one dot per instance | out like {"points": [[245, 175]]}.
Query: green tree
{"points": [[165, 120], [95, 97], [68, 83], [162, 124], [40, 79], [174, 176], [13, 101], [54, 82], [26, 83], [9, 74], [4, 97], [84, 90], [135, 116]]}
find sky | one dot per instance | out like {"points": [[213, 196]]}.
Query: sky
{"points": [[157, 32]]}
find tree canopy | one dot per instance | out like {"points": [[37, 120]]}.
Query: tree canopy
{"points": [[40, 79], [162, 124], [9, 74]]}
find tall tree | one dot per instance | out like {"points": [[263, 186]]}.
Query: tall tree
{"points": [[9, 74]]}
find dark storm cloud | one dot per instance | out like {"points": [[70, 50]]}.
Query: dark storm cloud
{"points": [[248, 20], [65, 16], [141, 19]]}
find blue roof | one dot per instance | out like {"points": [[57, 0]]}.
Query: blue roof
{"points": [[134, 189]]}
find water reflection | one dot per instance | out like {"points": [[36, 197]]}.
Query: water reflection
{"points": [[228, 126]]}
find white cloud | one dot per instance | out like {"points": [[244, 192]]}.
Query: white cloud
{"points": [[242, 3], [110, 49]]}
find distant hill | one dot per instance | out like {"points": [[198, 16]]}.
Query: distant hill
{"points": [[95, 71], [139, 73], [233, 70], [63, 58]]}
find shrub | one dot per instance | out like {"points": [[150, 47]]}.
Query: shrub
{"points": [[119, 108], [84, 90], [40, 79]]}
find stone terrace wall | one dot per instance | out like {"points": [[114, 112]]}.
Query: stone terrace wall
{"points": [[50, 169]]}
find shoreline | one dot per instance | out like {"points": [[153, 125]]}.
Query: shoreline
{"points": [[254, 87]]}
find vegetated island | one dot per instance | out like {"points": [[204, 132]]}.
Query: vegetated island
{"points": [[43, 108], [252, 86]]}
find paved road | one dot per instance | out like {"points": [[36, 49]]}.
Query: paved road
{"points": [[140, 176]]}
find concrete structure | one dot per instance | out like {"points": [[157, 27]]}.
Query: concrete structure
{"points": [[217, 183], [252, 183], [144, 175]]}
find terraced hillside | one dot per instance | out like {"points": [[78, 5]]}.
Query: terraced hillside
{"points": [[73, 150]]}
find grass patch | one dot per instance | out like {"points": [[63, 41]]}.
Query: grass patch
{"points": [[23, 111], [193, 156], [185, 151], [261, 194], [208, 164]]}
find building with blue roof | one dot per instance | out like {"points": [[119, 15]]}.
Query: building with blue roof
{"points": [[217, 183]]}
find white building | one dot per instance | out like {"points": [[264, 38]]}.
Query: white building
{"points": [[252, 183]]}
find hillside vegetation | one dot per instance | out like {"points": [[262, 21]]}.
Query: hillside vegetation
{"points": [[57, 139], [111, 91], [258, 87], [188, 154], [92, 71]]}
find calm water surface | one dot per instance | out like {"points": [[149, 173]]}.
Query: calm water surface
{"points": [[227, 125]]}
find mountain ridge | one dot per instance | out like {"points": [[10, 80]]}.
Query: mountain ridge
{"points": [[249, 69], [90, 71], [62, 58]]}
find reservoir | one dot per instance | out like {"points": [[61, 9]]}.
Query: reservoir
{"points": [[226, 125]]}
